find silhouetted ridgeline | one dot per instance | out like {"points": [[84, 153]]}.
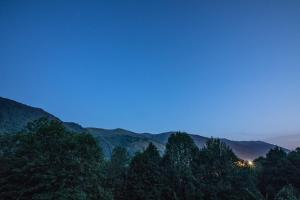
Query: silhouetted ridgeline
{"points": [[14, 116]]}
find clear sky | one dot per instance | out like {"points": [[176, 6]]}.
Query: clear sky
{"points": [[216, 68]]}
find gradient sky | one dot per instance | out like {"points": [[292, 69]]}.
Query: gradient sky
{"points": [[216, 68]]}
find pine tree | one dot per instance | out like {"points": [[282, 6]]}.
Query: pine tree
{"points": [[144, 176], [116, 172]]}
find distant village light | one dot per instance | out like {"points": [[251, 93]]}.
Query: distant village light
{"points": [[250, 163], [245, 163]]}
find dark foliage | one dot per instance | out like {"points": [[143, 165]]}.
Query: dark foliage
{"points": [[286, 193], [178, 163], [116, 172], [45, 161], [277, 170], [144, 176]]}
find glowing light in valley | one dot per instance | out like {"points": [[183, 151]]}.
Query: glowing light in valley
{"points": [[245, 163], [250, 163]]}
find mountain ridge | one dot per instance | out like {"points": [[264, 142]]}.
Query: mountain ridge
{"points": [[14, 116]]}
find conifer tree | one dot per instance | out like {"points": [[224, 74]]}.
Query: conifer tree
{"points": [[144, 177], [116, 172]]}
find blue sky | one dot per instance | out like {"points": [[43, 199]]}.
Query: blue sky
{"points": [[226, 69]]}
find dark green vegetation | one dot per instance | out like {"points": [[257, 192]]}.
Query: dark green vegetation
{"points": [[46, 161], [14, 116]]}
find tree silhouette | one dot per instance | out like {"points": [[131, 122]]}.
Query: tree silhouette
{"points": [[47, 162], [178, 163], [50, 163], [144, 175], [116, 172]]}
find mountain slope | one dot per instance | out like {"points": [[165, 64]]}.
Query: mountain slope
{"points": [[133, 142], [248, 150], [291, 141], [14, 116]]}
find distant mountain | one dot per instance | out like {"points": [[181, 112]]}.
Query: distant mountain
{"points": [[248, 150], [133, 142], [14, 116], [290, 141]]}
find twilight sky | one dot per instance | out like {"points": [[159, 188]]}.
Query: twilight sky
{"points": [[216, 68]]}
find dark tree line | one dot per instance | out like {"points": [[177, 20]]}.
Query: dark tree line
{"points": [[47, 162]]}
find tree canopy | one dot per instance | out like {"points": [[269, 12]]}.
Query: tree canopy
{"points": [[45, 161]]}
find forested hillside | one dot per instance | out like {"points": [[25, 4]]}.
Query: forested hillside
{"points": [[46, 161]]}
